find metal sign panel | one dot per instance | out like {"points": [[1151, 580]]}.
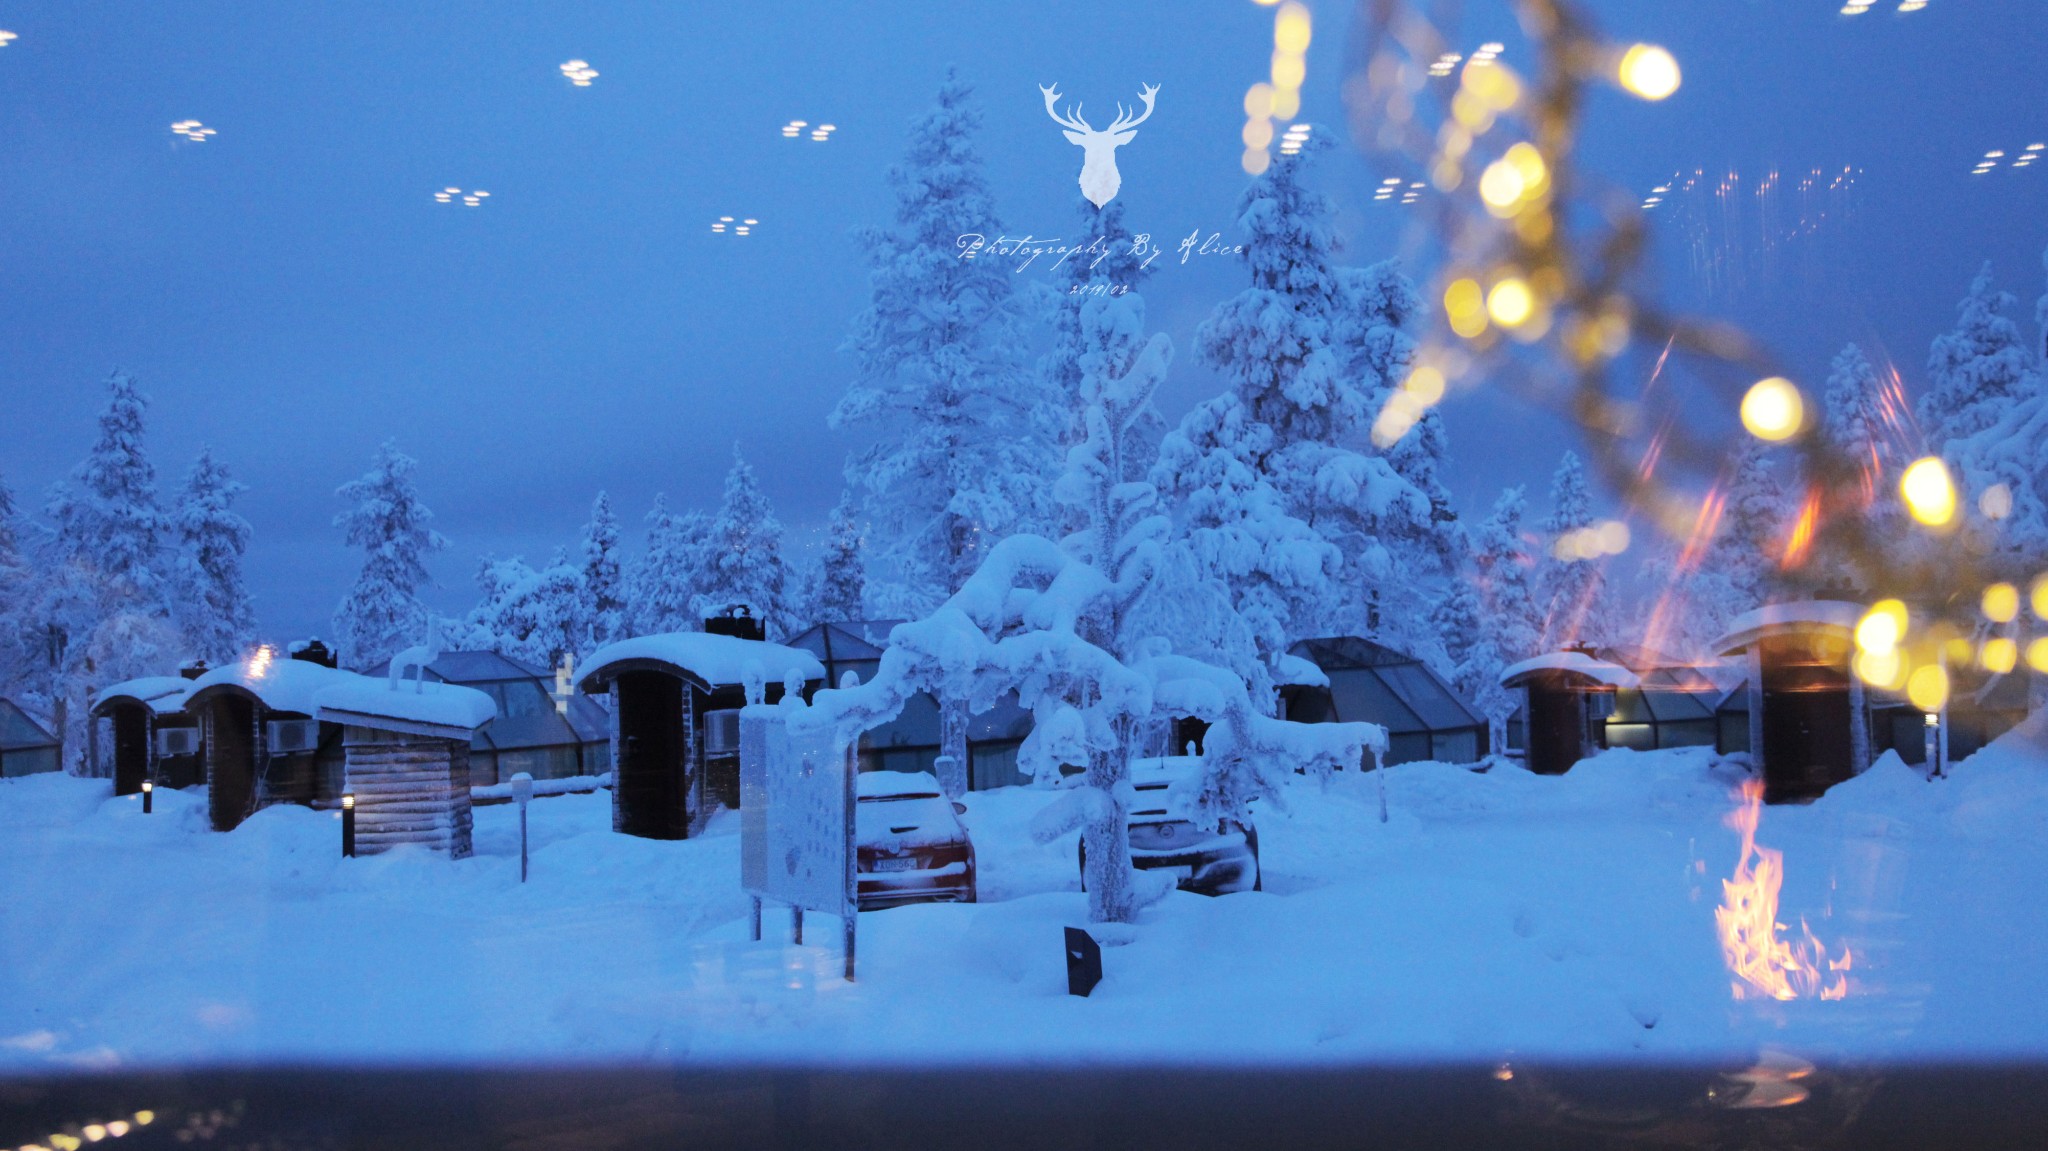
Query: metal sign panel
{"points": [[795, 814]]}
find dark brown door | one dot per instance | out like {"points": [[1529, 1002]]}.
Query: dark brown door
{"points": [[230, 762], [1806, 743], [1556, 728], [131, 748], [649, 778]]}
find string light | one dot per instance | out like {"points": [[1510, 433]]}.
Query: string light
{"points": [[1649, 71], [1929, 493], [1773, 410], [2001, 603]]}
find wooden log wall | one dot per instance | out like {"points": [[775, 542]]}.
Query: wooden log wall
{"points": [[409, 789]]}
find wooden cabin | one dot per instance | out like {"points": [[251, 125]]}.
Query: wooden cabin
{"points": [[1363, 680], [26, 748], [1583, 700], [406, 747], [912, 742], [262, 741], [153, 737], [1805, 715], [675, 701]]}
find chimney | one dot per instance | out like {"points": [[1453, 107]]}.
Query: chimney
{"points": [[313, 651], [737, 620], [192, 669]]}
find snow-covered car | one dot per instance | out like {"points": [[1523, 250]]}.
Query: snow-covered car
{"points": [[1207, 860], [911, 846]]}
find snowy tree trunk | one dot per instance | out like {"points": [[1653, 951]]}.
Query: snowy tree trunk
{"points": [[1112, 891], [953, 720]]}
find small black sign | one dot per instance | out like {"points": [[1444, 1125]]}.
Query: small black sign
{"points": [[1084, 962]]}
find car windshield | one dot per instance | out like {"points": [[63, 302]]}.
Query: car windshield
{"points": [[1069, 572]]}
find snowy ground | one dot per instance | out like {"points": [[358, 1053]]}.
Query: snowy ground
{"points": [[1492, 916]]}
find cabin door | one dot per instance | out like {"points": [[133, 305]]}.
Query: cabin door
{"points": [[230, 761], [650, 777]]}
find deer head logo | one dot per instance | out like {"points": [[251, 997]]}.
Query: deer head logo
{"points": [[1099, 178]]}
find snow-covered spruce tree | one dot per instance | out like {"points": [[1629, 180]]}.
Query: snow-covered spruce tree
{"points": [[1489, 620], [383, 613], [1569, 587], [841, 590], [1860, 426], [1052, 624], [1114, 269], [1976, 370], [604, 585], [212, 602], [104, 611], [1426, 551], [1753, 527], [666, 578], [965, 436], [535, 615], [17, 600], [1272, 501], [744, 563], [2010, 454]]}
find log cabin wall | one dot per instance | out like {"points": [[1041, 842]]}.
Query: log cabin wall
{"points": [[408, 789]]}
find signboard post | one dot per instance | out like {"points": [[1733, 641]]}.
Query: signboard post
{"points": [[797, 819]]}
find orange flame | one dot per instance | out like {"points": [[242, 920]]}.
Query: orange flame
{"points": [[1748, 921], [1799, 546]]}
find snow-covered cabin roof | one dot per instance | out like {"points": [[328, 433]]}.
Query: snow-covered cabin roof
{"points": [[19, 730], [1572, 663], [710, 660], [527, 712], [278, 682], [1814, 615], [412, 706], [162, 694]]}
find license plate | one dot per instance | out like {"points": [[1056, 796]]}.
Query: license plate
{"points": [[899, 863]]}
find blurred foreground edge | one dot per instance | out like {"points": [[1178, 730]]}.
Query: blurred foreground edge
{"points": [[1493, 1106]]}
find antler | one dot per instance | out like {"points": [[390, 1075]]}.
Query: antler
{"points": [[1073, 117], [1123, 118]]}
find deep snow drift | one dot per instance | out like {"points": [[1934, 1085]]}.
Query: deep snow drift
{"points": [[1492, 916]]}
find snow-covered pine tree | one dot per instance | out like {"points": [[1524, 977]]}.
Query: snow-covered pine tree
{"points": [[1372, 332], [383, 613], [841, 590], [1272, 501], [1753, 526], [213, 607], [1049, 623], [105, 613], [535, 615], [1976, 370], [1489, 620], [2008, 454], [744, 564], [666, 578], [17, 598], [1115, 269], [603, 577], [965, 436], [1569, 587], [1863, 426]]}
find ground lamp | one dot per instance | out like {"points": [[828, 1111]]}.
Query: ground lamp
{"points": [[148, 792], [348, 825], [1933, 745], [522, 790]]}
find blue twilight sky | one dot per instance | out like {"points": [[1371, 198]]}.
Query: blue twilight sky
{"points": [[290, 292]]}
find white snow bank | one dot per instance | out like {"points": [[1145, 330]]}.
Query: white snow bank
{"points": [[366, 700], [163, 693], [715, 659], [564, 785], [1800, 615], [1577, 662], [1492, 916], [282, 684]]}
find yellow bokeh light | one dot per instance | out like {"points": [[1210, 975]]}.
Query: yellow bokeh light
{"points": [[2037, 655], [1511, 303], [1927, 687], [1258, 101], [1490, 84], [2000, 655], [1882, 627], [1885, 669], [1425, 383], [2038, 595], [1649, 72], [1528, 161], [1996, 502], [1256, 161], [1289, 70], [2001, 603], [1929, 494], [1291, 28], [1501, 187], [1465, 306], [1258, 133], [1286, 103], [1773, 410]]}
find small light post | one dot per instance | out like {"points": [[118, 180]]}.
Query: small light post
{"points": [[348, 825], [148, 792], [522, 790], [1933, 753]]}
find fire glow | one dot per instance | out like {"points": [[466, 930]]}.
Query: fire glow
{"points": [[1767, 966]]}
